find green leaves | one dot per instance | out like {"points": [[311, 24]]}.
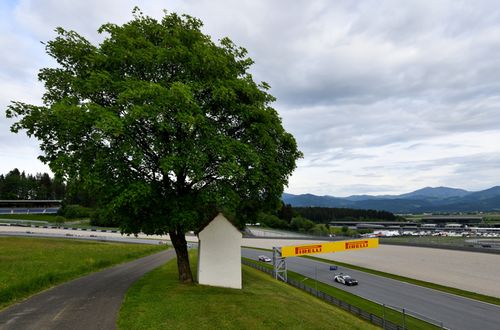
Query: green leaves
{"points": [[164, 125]]}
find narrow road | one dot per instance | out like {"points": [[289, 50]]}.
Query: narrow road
{"points": [[87, 303]]}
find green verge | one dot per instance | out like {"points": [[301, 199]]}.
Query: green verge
{"points": [[438, 287], [30, 265], [159, 301], [34, 217], [369, 306], [50, 219]]}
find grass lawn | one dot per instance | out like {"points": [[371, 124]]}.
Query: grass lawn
{"points": [[35, 217], [29, 265], [159, 301], [51, 219]]}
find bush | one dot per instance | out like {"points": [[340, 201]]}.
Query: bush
{"points": [[302, 224], [75, 212], [272, 221], [320, 230], [101, 218], [59, 220]]}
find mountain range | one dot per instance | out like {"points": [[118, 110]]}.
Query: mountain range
{"points": [[428, 199]]}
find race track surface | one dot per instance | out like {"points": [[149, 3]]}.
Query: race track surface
{"points": [[454, 312]]}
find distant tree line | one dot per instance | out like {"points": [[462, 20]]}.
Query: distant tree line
{"points": [[314, 220], [19, 185], [77, 201], [288, 219], [327, 214]]}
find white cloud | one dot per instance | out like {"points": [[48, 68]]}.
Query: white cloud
{"points": [[382, 96]]}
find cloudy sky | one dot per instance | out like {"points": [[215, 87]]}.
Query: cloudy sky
{"points": [[383, 97]]}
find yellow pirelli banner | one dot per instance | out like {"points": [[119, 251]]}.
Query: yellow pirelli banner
{"points": [[327, 247]]}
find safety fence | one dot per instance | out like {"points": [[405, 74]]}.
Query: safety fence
{"points": [[374, 319]]}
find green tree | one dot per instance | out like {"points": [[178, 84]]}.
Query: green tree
{"points": [[345, 230], [164, 125], [286, 212], [12, 185]]}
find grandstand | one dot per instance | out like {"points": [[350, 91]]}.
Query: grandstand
{"points": [[29, 206]]}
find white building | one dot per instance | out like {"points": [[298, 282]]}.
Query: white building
{"points": [[219, 254]]}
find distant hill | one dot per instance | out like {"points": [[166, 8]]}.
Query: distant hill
{"points": [[428, 199], [438, 192]]}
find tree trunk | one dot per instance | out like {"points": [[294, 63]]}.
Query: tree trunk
{"points": [[178, 238]]}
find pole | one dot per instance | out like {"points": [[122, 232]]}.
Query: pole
{"points": [[404, 319], [316, 277], [383, 319]]}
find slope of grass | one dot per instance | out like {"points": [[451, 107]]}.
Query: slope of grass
{"points": [[29, 265], [159, 301]]}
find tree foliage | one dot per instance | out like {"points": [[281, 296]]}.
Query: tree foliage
{"points": [[19, 185], [327, 214], [315, 220], [165, 126]]}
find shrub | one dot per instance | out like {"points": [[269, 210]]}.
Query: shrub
{"points": [[272, 221], [101, 218], [75, 211], [59, 220]]}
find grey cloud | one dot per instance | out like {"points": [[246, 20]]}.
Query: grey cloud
{"points": [[350, 76], [473, 172], [41, 17], [360, 189]]}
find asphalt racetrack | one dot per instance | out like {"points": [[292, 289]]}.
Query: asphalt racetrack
{"points": [[453, 311]]}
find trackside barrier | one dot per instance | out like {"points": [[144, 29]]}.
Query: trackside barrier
{"points": [[372, 318]]}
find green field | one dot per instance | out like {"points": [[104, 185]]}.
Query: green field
{"points": [[487, 216], [29, 265], [48, 219], [491, 217], [159, 301], [34, 217]]}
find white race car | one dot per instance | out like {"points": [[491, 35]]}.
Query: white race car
{"points": [[265, 258], [345, 279]]}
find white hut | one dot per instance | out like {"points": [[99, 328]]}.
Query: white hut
{"points": [[219, 254]]}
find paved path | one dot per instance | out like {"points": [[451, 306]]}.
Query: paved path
{"points": [[90, 302]]}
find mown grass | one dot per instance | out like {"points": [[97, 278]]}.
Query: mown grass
{"points": [[34, 217], [159, 301], [30, 265], [52, 219], [371, 307]]}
